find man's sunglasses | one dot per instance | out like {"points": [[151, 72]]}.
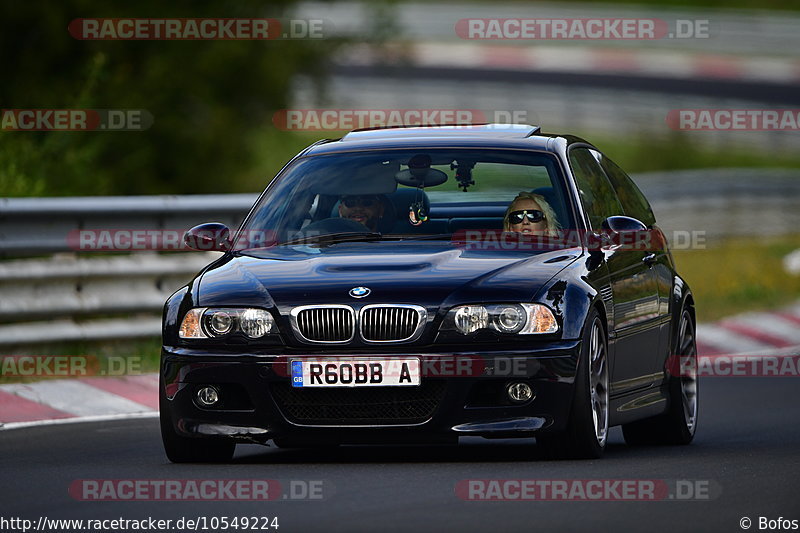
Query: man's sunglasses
{"points": [[363, 201], [533, 215]]}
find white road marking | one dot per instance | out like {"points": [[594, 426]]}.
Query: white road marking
{"points": [[76, 419], [791, 263]]}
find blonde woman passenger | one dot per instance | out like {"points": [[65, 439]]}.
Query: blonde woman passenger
{"points": [[530, 213]]}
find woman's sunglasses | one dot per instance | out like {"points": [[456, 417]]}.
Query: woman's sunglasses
{"points": [[363, 201], [533, 215]]}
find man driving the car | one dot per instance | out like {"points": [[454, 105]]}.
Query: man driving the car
{"points": [[366, 209]]}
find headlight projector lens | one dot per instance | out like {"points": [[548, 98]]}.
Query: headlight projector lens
{"points": [[221, 322]]}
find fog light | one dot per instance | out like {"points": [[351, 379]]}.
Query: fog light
{"points": [[208, 396], [519, 392]]}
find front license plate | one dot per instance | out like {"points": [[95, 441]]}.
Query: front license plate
{"points": [[356, 373]]}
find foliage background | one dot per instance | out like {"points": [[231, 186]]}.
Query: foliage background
{"points": [[209, 99], [212, 102]]}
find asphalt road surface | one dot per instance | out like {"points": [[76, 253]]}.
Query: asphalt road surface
{"points": [[746, 458]]}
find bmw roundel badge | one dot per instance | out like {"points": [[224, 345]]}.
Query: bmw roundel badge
{"points": [[359, 292]]}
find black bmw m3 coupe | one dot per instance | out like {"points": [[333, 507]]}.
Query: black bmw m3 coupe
{"points": [[419, 284]]}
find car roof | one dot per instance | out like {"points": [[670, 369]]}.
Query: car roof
{"points": [[518, 136], [511, 131]]}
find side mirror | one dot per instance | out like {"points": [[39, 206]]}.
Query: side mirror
{"points": [[209, 237], [627, 233], [621, 224]]}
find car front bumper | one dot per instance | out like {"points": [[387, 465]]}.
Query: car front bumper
{"points": [[460, 394]]}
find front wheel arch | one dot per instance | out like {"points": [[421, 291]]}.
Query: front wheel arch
{"points": [[586, 433]]}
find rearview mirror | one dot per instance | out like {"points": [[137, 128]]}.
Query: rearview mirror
{"points": [[209, 237], [420, 174]]}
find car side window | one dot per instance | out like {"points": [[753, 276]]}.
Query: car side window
{"points": [[633, 201], [597, 196]]}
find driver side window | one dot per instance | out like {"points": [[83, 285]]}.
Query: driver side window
{"points": [[597, 196]]}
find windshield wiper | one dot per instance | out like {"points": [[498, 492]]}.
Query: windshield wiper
{"points": [[332, 238]]}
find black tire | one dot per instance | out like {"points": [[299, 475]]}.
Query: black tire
{"points": [[180, 449], [678, 425], [585, 438]]}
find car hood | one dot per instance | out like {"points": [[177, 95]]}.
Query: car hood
{"points": [[426, 273]]}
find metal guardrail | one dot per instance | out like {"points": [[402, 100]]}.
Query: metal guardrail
{"points": [[36, 226], [73, 297], [67, 298], [59, 299], [720, 203]]}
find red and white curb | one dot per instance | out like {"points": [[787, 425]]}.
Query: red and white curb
{"points": [[109, 398], [751, 333], [77, 400]]}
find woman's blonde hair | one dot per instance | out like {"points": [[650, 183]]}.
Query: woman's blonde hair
{"points": [[553, 226]]}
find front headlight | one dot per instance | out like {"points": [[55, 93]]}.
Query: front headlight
{"points": [[204, 323], [470, 318], [521, 319], [255, 323]]}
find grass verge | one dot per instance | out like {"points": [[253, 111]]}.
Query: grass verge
{"points": [[738, 275]]}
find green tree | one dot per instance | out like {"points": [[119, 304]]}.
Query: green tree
{"points": [[207, 98]]}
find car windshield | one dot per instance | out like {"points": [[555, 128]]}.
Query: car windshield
{"points": [[420, 194]]}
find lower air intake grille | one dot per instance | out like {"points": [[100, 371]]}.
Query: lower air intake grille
{"points": [[354, 406]]}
